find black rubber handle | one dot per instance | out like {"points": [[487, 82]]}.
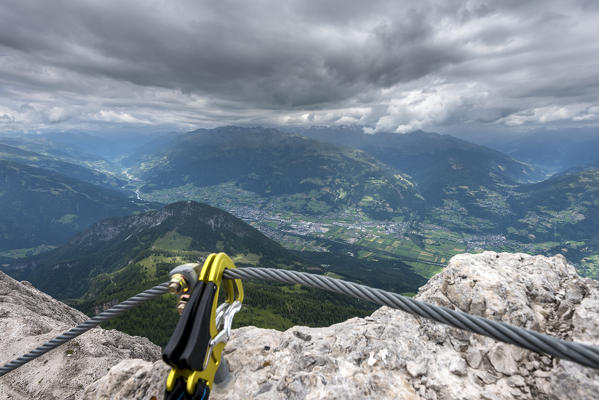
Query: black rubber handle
{"points": [[194, 354], [178, 340]]}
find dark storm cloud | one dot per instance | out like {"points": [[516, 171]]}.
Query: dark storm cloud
{"points": [[386, 64]]}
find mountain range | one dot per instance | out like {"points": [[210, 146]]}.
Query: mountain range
{"points": [[382, 209], [104, 146], [431, 158], [415, 176], [293, 172], [450, 173], [393, 175], [72, 170], [554, 151], [337, 173]]}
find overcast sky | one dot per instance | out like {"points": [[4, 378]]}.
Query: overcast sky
{"points": [[387, 65]]}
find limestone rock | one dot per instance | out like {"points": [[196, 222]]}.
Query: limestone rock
{"points": [[388, 355], [29, 318], [130, 379], [393, 355]]}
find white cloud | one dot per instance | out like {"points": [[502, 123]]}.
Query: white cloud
{"points": [[552, 113], [57, 114], [115, 116], [418, 109]]}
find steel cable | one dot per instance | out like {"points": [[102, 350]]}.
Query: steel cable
{"points": [[540, 343], [522, 337], [86, 326]]}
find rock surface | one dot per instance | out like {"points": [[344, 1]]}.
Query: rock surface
{"points": [[388, 355], [392, 355], [29, 318]]}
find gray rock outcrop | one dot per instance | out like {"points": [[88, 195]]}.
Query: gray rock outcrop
{"points": [[392, 355], [29, 318]]}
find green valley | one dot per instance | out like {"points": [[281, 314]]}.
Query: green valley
{"points": [[281, 171], [384, 210], [457, 197]]}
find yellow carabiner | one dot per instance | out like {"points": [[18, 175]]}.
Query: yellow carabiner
{"points": [[212, 272]]}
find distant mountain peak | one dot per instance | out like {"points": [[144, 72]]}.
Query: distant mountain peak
{"points": [[301, 174], [113, 243]]}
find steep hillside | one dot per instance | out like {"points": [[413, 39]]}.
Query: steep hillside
{"points": [[185, 229], [85, 147], [119, 257], [562, 208], [66, 152], [285, 171], [453, 175], [446, 169], [42, 207]]}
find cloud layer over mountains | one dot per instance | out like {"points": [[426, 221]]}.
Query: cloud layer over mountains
{"points": [[387, 65]]}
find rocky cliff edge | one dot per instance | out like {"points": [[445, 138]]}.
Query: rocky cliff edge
{"points": [[392, 355], [29, 318], [389, 355]]}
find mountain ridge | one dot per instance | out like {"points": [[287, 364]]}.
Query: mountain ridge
{"points": [[453, 160], [303, 174], [106, 246], [44, 207], [119, 257], [75, 171]]}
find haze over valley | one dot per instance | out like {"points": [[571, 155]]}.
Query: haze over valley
{"points": [[385, 201]]}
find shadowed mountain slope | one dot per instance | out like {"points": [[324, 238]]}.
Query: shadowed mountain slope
{"points": [[44, 207]]}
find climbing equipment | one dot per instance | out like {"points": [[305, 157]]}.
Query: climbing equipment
{"points": [[540, 343], [195, 348]]}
